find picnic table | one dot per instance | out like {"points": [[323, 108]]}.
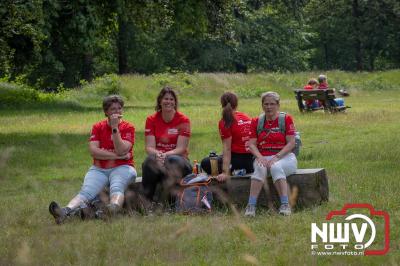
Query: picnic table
{"points": [[325, 96]]}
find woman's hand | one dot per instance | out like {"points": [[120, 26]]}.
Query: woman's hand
{"points": [[272, 161], [125, 156], [261, 161], [160, 157], [114, 120], [222, 177]]}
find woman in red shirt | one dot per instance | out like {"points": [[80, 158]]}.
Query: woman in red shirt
{"points": [[111, 147], [234, 129], [167, 134], [273, 151]]}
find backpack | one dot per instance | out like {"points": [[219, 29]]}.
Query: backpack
{"points": [[194, 197], [281, 128]]}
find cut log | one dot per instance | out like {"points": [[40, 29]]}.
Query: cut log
{"points": [[309, 187]]}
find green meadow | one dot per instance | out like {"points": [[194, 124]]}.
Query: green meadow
{"points": [[44, 156]]}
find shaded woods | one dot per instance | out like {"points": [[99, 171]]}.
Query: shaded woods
{"points": [[53, 43]]}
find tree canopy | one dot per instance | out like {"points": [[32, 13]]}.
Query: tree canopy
{"points": [[46, 43]]}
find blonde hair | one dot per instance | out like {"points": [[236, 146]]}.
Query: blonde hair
{"points": [[312, 82]]}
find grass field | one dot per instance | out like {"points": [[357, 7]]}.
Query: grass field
{"points": [[43, 157]]}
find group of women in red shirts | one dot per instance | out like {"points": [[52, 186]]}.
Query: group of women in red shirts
{"points": [[167, 133]]}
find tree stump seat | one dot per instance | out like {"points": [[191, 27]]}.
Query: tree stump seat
{"points": [[308, 187]]}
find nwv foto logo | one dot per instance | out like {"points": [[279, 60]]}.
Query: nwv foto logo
{"points": [[356, 227]]}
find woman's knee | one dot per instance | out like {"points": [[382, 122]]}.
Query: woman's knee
{"points": [[95, 180], [260, 173], [123, 174], [277, 172], [88, 192]]}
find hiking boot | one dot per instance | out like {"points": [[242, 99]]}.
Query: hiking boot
{"points": [[59, 214], [250, 211], [285, 210]]}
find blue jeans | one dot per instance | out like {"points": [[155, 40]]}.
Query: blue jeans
{"points": [[118, 178]]}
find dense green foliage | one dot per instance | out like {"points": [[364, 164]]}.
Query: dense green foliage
{"points": [[50, 43], [44, 156]]}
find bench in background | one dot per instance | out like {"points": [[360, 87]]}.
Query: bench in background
{"points": [[326, 96]]}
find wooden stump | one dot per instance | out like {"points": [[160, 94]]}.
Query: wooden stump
{"points": [[310, 185]]}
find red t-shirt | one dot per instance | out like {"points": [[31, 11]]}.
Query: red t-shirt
{"points": [[102, 132], [308, 87], [167, 134], [239, 131], [273, 140], [323, 86]]}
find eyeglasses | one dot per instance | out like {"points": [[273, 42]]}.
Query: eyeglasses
{"points": [[270, 104]]}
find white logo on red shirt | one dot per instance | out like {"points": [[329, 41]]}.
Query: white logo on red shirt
{"points": [[172, 131], [241, 122]]}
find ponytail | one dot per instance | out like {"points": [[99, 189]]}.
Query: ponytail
{"points": [[228, 115], [229, 102]]}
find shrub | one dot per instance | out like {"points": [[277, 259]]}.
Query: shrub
{"points": [[15, 95]]}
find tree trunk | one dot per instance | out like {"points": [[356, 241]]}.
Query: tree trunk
{"points": [[357, 28], [122, 42], [326, 56], [87, 68]]}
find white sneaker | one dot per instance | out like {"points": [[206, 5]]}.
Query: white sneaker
{"points": [[285, 210], [250, 211]]}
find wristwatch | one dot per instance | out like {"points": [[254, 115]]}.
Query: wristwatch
{"points": [[115, 130]]}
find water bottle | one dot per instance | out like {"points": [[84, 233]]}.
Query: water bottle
{"points": [[214, 163]]}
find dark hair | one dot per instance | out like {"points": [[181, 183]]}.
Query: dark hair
{"points": [[162, 93], [312, 82], [321, 78], [229, 102], [110, 99]]}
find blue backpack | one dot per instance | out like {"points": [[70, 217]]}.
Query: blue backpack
{"points": [[281, 128], [194, 197]]}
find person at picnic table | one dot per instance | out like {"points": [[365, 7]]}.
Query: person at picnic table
{"points": [[323, 85], [273, 152], [167, 134], [111, 147], [323, 82], [312, 84], [234, 130]]}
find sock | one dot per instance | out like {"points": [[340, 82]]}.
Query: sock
{"points": [[66, 210], [252, 200], [284, 200]]}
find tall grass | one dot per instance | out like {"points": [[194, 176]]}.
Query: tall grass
{"points": [[43, 156]]}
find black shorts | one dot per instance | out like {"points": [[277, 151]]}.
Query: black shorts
{"points": [[238, 161]]}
